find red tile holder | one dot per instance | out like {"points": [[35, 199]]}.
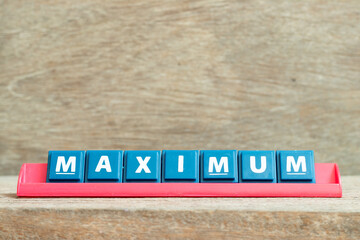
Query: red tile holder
{"points": [[32, 183]]}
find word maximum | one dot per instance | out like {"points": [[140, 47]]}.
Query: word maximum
{"points": [[195, 166]]}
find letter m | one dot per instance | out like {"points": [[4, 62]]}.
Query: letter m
{"points": [[65, 165], [290, 162], [218, 165]]}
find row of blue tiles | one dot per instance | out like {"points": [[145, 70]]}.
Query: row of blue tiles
{"points": [[181, 166]]}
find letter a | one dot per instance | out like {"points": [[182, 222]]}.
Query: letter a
{"points": [[103, 163]]}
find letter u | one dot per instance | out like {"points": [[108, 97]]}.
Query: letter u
{"points": [[253, 164]]}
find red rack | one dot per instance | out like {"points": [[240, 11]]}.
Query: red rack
{"points": [[32, 183]]}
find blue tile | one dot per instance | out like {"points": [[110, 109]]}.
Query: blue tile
{"points": [[296, 166], [180, 166], [66, 166], [257, 166], [104, 166], [142, 166], [219, 166]]}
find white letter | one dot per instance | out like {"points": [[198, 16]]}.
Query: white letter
{"points": [[143, 165], [103, 163], [296, 166], [223, 162], [181, 163], [65, 166], [253, 164]]}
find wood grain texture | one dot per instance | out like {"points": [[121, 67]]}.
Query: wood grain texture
{"points": [[179, 75], [180, 218]]}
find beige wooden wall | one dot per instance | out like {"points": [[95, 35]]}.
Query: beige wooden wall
{"points": [[179, 75]]}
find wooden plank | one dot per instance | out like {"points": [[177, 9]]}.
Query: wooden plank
{"points": [[179, 218], [151, 74]]}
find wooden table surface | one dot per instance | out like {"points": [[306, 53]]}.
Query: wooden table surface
{"points": [[180, 218]]}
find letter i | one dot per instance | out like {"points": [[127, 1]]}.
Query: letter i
{"points": [[181, 163]]}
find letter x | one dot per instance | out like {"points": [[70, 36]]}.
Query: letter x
{"points": [[143, 165]]}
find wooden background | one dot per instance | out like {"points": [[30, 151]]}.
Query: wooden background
{"points": [[179, 75]]}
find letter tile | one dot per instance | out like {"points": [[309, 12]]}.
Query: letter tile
{"points": [[219, 166], [142, 166], [104, 166], [180, 166], [65, 166], [296, 166], [257, 166]]}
